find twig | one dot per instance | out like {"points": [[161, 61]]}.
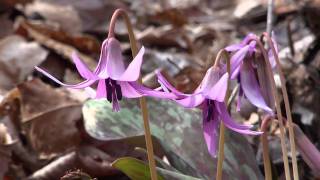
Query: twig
{"points": [[56, 168], [289, 33], [143, 103], [270, 16], [30, 160]]}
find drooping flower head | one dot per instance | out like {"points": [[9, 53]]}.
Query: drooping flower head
{"points": [[209, 97], [244, 69], [114, 80]]}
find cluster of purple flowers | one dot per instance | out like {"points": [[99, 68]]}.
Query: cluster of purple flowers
{"points": [[115, 81]]}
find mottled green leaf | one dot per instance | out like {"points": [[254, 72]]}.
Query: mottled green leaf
{"points": [[179, 131]]}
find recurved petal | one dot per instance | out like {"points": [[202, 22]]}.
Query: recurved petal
{"points": [[82, 68], [166, 86], [151, 92], [226, 118], [231, 124], [218, 91], [115, 66], [211, 134], [101, 89], [240, 45], [101, 69], [250, 86], [191, 101], [81, 85], [234, 47], [128, 90], [210, 79], [237, 58], [235, 73], [90, 92], [132, 72]]}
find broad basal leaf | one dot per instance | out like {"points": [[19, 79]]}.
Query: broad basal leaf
{"points": [[180, 133]]}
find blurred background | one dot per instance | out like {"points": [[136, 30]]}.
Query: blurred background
{"points": [[48, 132]]}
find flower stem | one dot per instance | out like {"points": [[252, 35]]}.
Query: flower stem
{"points": [[222, 128], [143, 103], [265, 147], [287, 107], [278, 109]]}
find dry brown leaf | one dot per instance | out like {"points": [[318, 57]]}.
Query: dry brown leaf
{"points": [[50, 116], [5, 151], [9, 4], [173, 15], [165, 36], [94, 14], [17, 60], [84, 43], [65, 16], [6, 25], [59, 47]]}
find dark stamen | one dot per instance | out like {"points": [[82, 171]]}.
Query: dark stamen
{"points": [[109, 90], [118, 92], [209, 113], [113, 82], [209, 110]]}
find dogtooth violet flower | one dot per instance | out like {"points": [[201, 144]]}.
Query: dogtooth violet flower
{"points": [[209, 96], [114, 80], [243, 68]]}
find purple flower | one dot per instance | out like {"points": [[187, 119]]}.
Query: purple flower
{"points": [[209, 96], [114, 80], [243, 68]]}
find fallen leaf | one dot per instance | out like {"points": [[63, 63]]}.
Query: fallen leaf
{"points": [[17, 60], [94, 14], [174, 16], [65, 16], [62, 49], [51, 116], [6, 25], [5, 150], [84, 43], [165, 36]]}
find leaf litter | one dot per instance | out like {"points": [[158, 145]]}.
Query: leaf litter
{"points": [[48, 132]]}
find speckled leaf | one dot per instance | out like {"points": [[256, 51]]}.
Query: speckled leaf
{"points": [[138, 170], [180, 133]]}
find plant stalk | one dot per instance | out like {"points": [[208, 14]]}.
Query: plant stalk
{"points": [[287, 108], [143, 102], [265, 147], [222, 127], [278, 109]]}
